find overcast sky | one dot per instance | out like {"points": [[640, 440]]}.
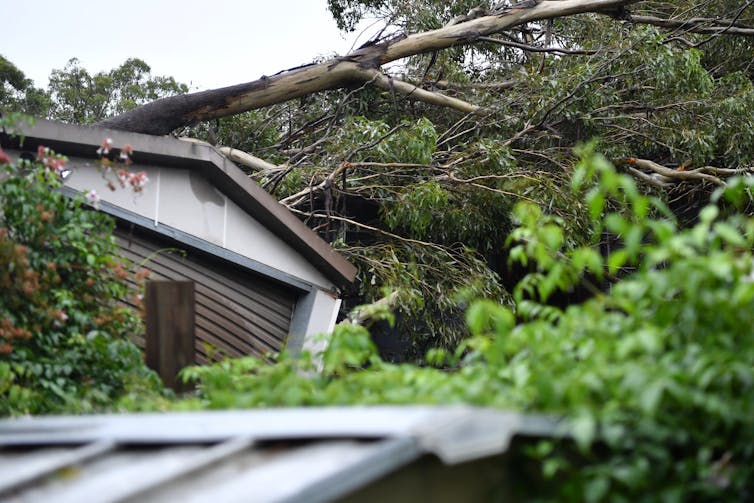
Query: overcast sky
{"points": [[205, 44]]}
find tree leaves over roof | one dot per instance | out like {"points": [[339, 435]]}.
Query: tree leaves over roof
{"points": [[668, 101]]}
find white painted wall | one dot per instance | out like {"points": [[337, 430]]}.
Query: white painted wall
{"points": [[187, 202], [322, 320], [314, 314]]}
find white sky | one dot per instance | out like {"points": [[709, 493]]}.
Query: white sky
{"points": [[205, 44]]}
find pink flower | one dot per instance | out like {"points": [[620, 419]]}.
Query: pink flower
{"points": [[122, 177], [125, 153], [104, 149], [93, 198], [53, 162], [56, 165], [4, 159], [139, 180]]}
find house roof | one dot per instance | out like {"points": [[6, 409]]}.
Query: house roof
{"points": [[83, 141], [296, 454]]}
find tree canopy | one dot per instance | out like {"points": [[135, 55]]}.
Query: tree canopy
{"points": [[17, 92], [412, 168], [80, 98], [573, 164], [76, 96]]}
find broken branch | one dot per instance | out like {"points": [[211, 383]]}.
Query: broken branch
{"points": [[167, 114]]}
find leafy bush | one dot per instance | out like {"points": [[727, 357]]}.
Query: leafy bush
{"points": [[63, 331], [655, 375]]}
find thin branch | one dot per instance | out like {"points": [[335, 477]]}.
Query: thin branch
{"points": [[446, 84], [335, 117], [410, 90], [452, 179], [373, 143], [532, 48], [370, 228], [263, 167], [694, 26], [301, 195]]}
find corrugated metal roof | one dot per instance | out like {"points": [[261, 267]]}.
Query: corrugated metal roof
{"points": [[270, 455]]}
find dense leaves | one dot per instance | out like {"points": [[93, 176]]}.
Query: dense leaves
{"points": [[421, 197], [82, 98], [64, 332], [655, 376], [17, 92]]}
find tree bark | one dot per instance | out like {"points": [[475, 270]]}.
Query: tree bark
{"points": [[363, 65], [704, 25]]}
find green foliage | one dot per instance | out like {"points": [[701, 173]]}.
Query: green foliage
{"points": [[430, 212], [11, 76], [63, 331], [17, 92], [434, 285], [446, 259], [76, 96], [421, 209], [411, 142], [81, 98], [655, 376], [412, 15]]}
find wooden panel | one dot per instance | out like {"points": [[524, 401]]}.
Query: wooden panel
{"points": [[170, 329], [237, 312]]}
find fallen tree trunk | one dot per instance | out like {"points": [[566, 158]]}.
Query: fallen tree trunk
{"points": [[363, 65]]}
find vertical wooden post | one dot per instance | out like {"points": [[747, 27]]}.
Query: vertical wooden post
{"points": [[170, 329]]}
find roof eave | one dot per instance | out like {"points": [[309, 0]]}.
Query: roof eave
{"points": [[83, 141]]}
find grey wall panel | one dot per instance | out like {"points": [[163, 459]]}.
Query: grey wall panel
{"points": [[248, 237], [237, 313], [184, 200], [190, 203], [86, 176]]}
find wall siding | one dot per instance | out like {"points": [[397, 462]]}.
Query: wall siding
{"points": [[237, 313]]}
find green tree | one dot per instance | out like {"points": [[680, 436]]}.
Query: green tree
{"points": [[82, 98], [17, 92], [420, 195]]}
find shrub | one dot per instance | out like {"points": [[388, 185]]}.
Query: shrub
{"points": [[656, 375], [63, 331]]}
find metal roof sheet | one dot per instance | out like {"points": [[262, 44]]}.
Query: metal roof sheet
{"points": [[299, 454]]}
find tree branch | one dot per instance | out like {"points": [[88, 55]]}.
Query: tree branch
{"points": [[371, 228], [697, 25], [389, 84], [662, 176], [263, 167], [532, 48], [167, 114]]}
